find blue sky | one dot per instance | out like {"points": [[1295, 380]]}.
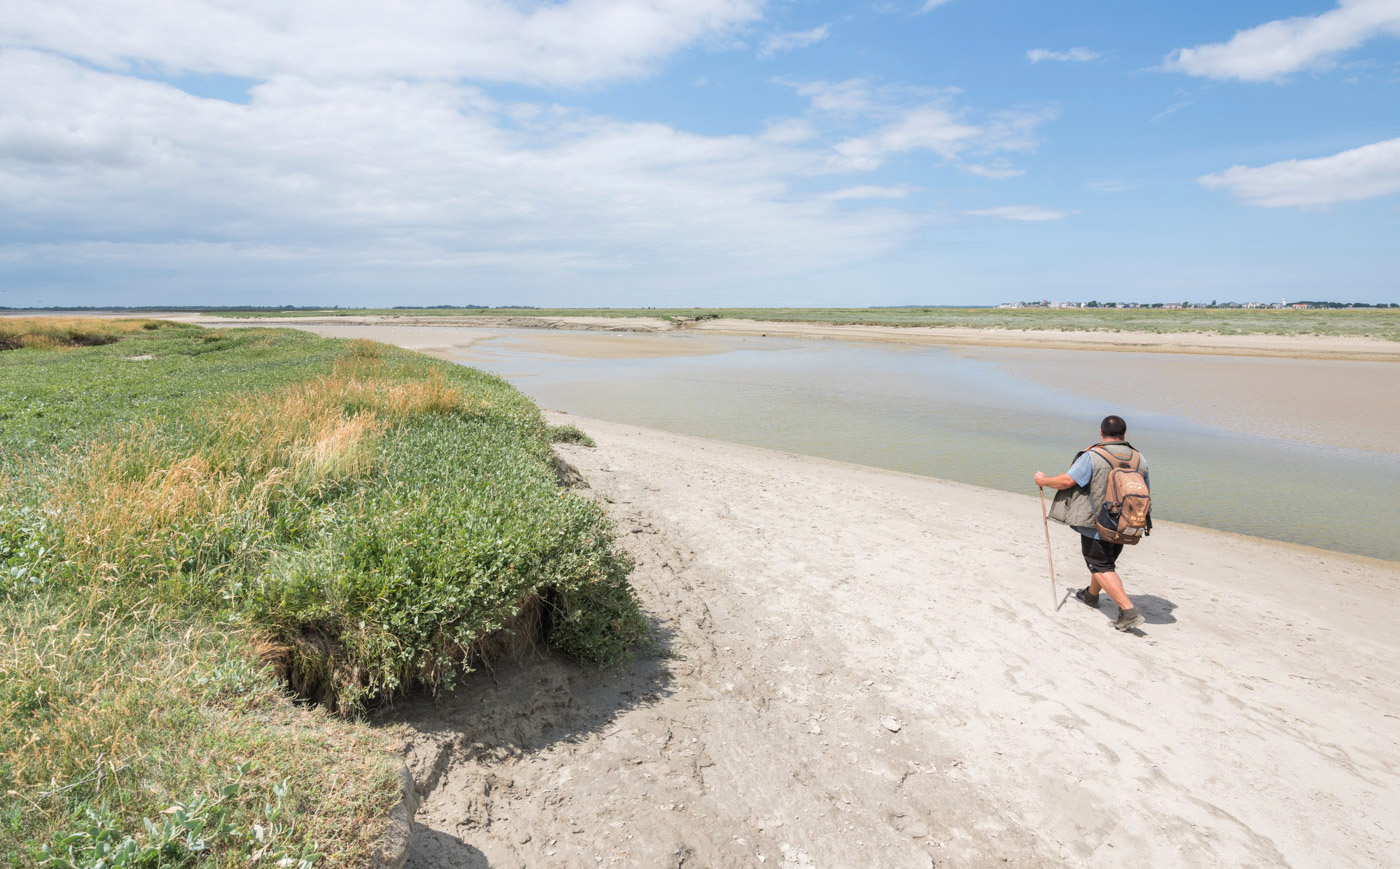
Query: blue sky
{"points": [[697, 152]]}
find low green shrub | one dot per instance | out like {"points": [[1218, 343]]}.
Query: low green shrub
{"points": [[570, 434], [401, 589]]}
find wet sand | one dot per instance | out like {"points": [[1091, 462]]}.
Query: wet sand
{"points": [[865, 669], [1337, 402]]}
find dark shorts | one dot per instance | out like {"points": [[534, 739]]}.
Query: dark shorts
{"points": [[1101, 556]]}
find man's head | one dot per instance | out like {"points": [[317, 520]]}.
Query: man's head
{"points": [[1113, 428]]}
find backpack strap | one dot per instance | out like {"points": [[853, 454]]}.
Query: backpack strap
{"points": [[1132, 461]]}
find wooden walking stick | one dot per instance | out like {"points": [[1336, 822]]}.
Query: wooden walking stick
{"points": [[1044, 518]]}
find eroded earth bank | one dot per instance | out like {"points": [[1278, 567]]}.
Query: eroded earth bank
{"points": [[863, 668]]}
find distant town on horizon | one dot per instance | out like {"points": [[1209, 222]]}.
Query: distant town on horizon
{"points": [[1279, 305]]}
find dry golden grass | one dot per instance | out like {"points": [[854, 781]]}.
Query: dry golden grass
{"points": [[359, 379], [339, 450], [38, 660], [127, 501], [310, 430], [363, 348], [40, 342], [54, 333]]}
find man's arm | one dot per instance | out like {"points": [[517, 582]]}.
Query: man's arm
{"points": [[1063, 481], [1078, 474]]}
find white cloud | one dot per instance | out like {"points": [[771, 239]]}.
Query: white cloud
{"points": [[782, 42], [930, 5], [922, 119], [1271, 51], [568, 43], [1075, 55], [1110, 186], [789, 131], [923, 127], [1361, 173], [1017, 130], [868, 191], [364, 153], [850, 96], [396, 179], [1020, 212], [999, 171]]}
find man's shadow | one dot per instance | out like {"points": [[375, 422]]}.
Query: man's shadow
{"points": [[1155, 610]]}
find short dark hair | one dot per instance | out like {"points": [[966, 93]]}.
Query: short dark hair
{"points": [[1113, 426]]}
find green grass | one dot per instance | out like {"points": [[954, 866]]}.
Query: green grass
{"points": [[191, 522], [1383, 323]]}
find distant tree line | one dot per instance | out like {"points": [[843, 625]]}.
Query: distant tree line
{"points": [[239, 309]]}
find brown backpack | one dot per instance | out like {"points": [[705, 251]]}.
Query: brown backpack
{"points": [[1125, 516]]}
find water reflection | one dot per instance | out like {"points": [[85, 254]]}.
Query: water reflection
{"points": [[985, 416]]}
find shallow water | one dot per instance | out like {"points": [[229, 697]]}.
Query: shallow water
{"points": [[1225, 450]]}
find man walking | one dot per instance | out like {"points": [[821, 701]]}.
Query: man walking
{"points": [[1081, 492]]}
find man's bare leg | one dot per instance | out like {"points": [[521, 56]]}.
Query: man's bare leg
{"points": [[1110, 583]]}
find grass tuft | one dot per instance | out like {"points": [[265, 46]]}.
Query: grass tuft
{"points": [[570, 434]]}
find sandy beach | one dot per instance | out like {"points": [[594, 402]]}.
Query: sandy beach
{"points": [[864, 668], [1287, 346]]}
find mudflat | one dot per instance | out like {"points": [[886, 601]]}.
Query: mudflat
{"points": [[1289, 346], [867, 668]]}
